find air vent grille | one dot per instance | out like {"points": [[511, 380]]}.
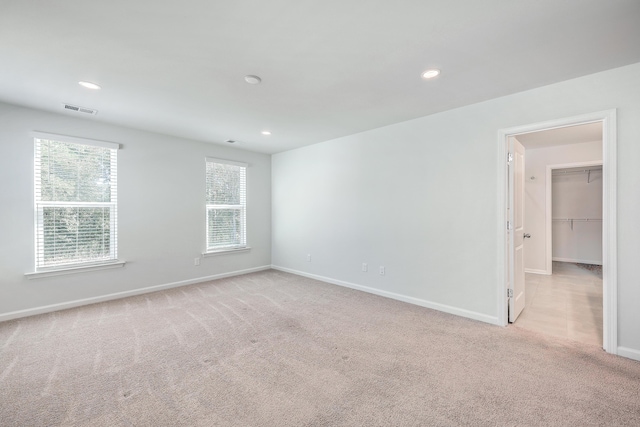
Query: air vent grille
{"points": [[79, 109]]}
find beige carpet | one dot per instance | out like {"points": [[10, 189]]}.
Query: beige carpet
{"points": [[274, 349]]}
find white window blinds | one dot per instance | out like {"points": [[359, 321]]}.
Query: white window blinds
{"points": [[226, 206], [75, 203]]}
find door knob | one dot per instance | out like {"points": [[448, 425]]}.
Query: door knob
{"points": [[526, 236]]}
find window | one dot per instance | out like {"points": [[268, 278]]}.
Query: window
{"points": [[75, 202], [226, 205]]}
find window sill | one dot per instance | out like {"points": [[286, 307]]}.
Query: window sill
{"points": [[73, 270], [225, 251]]}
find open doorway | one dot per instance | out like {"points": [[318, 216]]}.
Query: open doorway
{"points": [[563, 217], [594, 280]]}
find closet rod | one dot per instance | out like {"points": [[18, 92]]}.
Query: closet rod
{"points": [[561, 172], [577, 219], [571, 220], [587, 171]]}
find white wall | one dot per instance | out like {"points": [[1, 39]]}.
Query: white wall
{"points": [[420, 198], [161, 216], [536, 162], [575, 198]]}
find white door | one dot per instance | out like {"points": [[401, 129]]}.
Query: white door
{"points": [[516, 232]]}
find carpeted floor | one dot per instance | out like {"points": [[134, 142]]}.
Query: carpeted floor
{"points": [[274, 349]]}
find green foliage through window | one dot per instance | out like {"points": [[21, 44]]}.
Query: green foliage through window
{"points": [[75, 188], [226, 205]]}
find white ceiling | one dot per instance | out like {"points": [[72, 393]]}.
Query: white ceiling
{"points": [[330, 68], [562, 136]]}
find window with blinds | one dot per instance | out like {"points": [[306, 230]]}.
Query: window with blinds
{"points": [[226, 206], [75, 203]]}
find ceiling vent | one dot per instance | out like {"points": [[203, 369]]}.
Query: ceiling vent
{"points": [[79, 109]]}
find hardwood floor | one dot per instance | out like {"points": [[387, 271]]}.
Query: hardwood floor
{"points": [[566, 304]]}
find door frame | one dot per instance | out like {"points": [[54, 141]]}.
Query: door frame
{"points": [[609, 226], [548, 220]]}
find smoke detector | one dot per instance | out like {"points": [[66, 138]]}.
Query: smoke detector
{"points": [[252, 80]]}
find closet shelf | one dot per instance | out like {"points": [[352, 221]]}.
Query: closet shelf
{"points": [[572, 220], [577, 219], [587, 171], [569, 172]]}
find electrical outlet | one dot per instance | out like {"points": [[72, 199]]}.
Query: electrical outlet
{"points": [[382, 270], [309, 257], [365, 267], [196, 261]]}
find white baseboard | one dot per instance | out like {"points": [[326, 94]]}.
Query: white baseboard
{"points": [[535, 271], [411, 300], [629, 353], [577, 261], [86, 301]]}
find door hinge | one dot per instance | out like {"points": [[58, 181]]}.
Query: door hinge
{"points": [[508, 225], [509, 158], [509, 293]]}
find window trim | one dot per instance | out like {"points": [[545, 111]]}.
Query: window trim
{"points": [[226, 251], [230, 248], [75, 140], [39, 205], [73, 269]]}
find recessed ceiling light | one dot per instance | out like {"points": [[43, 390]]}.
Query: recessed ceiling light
{"points": [[252, 80], [431, 73], [266, 132], [89, 85]]}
